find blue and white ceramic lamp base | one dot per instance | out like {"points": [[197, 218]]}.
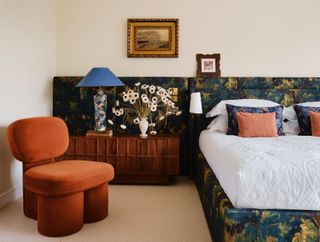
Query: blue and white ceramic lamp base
{"points": [[100, 110]]}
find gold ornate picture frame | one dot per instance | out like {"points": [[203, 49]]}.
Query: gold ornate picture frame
{"points": [[208, 65], [153, 38]]}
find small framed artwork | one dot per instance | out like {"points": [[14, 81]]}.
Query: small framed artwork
{"points": [[153, 38], [208, 65]]}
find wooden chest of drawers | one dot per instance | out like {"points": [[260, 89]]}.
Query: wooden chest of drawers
{"points": [[135, 160]]}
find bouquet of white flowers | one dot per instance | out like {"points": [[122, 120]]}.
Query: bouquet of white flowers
{"points": [[147, 104]]}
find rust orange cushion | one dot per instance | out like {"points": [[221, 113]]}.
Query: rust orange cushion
{"points": [[65, 177], [257, 124], [315, 123]]}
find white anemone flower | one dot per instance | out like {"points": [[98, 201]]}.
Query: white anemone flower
{"points": [[153, 108], [178, 113], [121, 111], [136, 120], [160, 88], [164, 99], [149, 104], [125, 97], [152, 89], [132, 101], [152, 125], [118, 113], [137, 84], [153, 132], [114, 110], [154, 99], [160, 93], [117, 103], [145, 99], [173, 105], [136, 95], [145, 86], [130, 91], [110, 121], [123, 126], [169, 102]]}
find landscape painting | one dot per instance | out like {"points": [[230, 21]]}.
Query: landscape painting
{"points": [[152, 38]]}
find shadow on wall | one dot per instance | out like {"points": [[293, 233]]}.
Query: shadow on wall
{"points": [[47, 96], [10, 169]]}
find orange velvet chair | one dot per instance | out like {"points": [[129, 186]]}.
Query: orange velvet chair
{"points": [[60, 195]]}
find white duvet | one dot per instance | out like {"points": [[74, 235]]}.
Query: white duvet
{"points": [[266, 173]]}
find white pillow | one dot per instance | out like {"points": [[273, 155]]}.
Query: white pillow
{"points": [[220, 123], [310, 104], [290, 113], [291, 127], [220, 108]]}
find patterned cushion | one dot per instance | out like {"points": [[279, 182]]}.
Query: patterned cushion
{"points": [[315, 123], [232, 110], [257, 124], [304, 119]]}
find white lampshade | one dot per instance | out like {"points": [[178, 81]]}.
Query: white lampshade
{"points": [[195, 103]]}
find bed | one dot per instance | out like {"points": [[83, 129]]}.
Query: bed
{"points": [[291, 221]]}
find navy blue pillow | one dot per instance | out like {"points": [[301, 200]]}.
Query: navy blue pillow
{"points": [[232, 110], [304, 119]]}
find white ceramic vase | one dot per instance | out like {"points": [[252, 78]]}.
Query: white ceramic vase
{"points": [[143, 125]]}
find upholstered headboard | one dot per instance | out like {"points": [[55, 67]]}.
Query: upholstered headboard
{"points": [[285, 91]]}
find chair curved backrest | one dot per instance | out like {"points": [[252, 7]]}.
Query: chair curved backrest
{"points": [[38, 139]]}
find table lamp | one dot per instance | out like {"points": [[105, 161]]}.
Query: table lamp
{"points": [[195, 103], [195, 108], [100, 77]]}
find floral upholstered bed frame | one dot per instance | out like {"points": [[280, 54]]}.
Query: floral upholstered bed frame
{"points": [[225, 222]]}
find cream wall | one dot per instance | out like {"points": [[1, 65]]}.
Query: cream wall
{"points": [[27, 63], [255, 38]]}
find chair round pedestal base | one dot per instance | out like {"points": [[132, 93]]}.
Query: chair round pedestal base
{"points": [[96, 204], [60, 216], [64, 215]]}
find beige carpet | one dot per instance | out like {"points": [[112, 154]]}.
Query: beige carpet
{"points": [[136, 213]]}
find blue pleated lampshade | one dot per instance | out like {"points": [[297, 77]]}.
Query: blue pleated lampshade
{"points": [[100, 77]]}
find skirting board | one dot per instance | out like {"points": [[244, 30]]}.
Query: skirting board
{"points": [[9, 196]]}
